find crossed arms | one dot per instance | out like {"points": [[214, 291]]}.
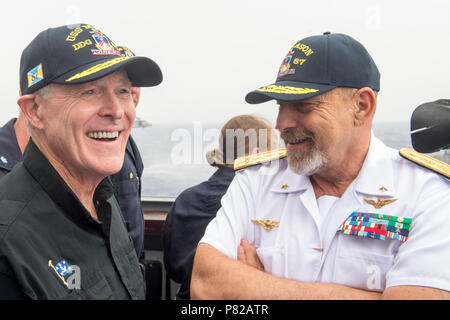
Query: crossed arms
{"points": [[215, 276]]}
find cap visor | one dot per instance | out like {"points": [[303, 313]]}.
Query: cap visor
{"points": [[142, 71], [287, 91]]}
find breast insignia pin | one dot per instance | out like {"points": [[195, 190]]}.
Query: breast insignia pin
{"points": [[380, 203], [267, 224]]}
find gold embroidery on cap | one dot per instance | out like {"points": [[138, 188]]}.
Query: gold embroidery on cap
{"points": [[286, 89], [98, 68]]}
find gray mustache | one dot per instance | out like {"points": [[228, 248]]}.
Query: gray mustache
{"points": [[295, 134]]}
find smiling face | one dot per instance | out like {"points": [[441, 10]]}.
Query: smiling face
{"points": [[85, 127], [317, 131]]}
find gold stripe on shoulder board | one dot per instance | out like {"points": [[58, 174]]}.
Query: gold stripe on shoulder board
{"points": [[259, 158], [426, 161]]}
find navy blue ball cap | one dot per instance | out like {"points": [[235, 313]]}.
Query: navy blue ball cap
{"points": [[80, 53], [318, 64]]}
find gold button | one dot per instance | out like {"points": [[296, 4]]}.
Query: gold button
{"points": [[400, 219]]}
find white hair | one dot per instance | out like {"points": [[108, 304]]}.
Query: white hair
{"points": [[45, 92]]}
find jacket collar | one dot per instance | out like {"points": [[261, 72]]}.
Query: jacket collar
{"points": [[289, 181], [376, 177], [57, 189]]}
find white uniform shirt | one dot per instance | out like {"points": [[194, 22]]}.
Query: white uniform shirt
{"points": [[308, 245]]}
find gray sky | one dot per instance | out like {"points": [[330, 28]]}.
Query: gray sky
{"points": [[213, 52]]}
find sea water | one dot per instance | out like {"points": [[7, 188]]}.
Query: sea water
{"points": [[174, 154]]}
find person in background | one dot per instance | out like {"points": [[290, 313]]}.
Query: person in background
{"points": [[340, 215], [195, 207], [13, 140], [62, 235], [127, 182]]}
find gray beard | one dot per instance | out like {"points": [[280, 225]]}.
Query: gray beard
{"points": [[306, 164]]}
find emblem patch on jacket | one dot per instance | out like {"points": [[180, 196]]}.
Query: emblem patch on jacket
{"points": [[376, 226], [63, 269]]}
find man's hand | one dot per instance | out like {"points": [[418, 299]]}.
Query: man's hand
{"points": [[247, 254]]}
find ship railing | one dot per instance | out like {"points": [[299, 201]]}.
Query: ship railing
{"points": [[159, 286]]}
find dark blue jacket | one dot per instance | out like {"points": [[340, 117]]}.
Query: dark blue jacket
{"points": [[10, 153], [44, 229], [127, 182], [185, 225], [127, 190]]}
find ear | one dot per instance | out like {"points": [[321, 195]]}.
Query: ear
{"points": [[365, 104], [32, 110], [136, 94]]}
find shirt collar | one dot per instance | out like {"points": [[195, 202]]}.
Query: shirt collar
{"points": [[10, 153], [376, 176], [57, 189], [289, 181]]}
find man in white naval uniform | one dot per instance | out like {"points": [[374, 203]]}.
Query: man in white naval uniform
{"points": [[342, 216]]}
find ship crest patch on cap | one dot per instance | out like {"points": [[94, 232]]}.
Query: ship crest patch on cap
{"points": [[286, 66], [103, 44], [299, 49], [35, 75]]}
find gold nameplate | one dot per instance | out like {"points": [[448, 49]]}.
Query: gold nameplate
{"points": [[266, 224], [380, 203], [426, 161], [259, 158]]}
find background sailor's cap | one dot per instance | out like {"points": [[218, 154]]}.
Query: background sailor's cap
{"points": [[430, 126]]}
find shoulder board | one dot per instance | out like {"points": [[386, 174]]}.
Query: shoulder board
{"points": [[258, 158], [426, 161]]}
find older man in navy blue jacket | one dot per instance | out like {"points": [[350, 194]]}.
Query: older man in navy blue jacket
{"points": [[127, 182]]}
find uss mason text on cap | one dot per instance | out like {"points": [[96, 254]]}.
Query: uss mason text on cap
{"points": [[80, 53], [318, 64]]}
